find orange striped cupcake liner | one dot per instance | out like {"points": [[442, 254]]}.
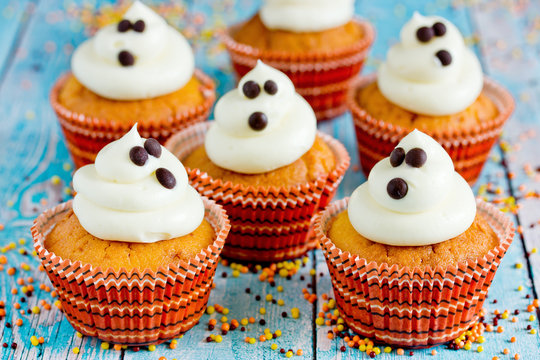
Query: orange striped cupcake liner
{"points": [[411, 307], [267, 224], [469, 150], [86, 135], [323, 78], [133, 307]]}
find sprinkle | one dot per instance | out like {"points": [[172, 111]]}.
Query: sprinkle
{"points": [[280, 288], [34, 340], [506, 351], [400, 351], [36, 310], [519, 265], [500, 329], [105, 346], [532, 318], [19, 322], [289, 354], [533, 331], [223, 319], [273, 346], [151, 347], [210, 310], [218, 339], [75, 350], [262, 311]]}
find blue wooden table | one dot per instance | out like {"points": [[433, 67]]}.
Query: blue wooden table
{"points": [[37, 39]]}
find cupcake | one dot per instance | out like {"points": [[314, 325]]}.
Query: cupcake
{"points": [[317, 43], [411, 253], [263, 160], [140, 70], [432, 82], [134, 254]]}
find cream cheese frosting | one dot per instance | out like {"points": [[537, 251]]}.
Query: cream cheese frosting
{"points": [[306, 15], [137, 191], [129, 64], [431, 71], [414, 197], [262, 125]]}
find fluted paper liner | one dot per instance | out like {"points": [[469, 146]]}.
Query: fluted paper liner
{"points": [[469, 149], [411, 307], [323, 78], [132, 306], [267, 224], [86, 135]]}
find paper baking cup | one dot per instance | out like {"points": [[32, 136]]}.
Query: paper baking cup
{"points": [[412, 308], [132, 306], [469, 149], [323, 78], [267, 224], [86, 135]]}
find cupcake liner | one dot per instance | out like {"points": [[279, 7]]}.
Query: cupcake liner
{"points": [[86, 135], [411, 307], [469, 149], [135, 307], [267, 224], [323, 78]]}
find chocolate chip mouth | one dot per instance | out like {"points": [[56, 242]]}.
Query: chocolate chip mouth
{"points": [[397, 188], [258, 121]]}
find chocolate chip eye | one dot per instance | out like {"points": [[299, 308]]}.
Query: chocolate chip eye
{"points": [[251, 89], [139, 26], [397, 156], [397, 188], [444, 57], [416, 157], [153, 147], [257, 121], [126, 58], [123, 26], [138, 155], [166, 178], [270, 87], [439, 29], [424, 34]]}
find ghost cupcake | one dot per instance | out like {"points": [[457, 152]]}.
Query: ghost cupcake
{"points": [[264, 161], [411, 253], [432, 82], [317, 43], [137, 70], [133, 256]]}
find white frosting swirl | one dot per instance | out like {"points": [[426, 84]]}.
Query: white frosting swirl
{"points": [[120, 201], [232, 144], [306, 15], [414, 78], [438, 206], [164, 61]]}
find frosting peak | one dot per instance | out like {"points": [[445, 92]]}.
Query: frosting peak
{"points": [[138, 58], [413, 197], [306, 15], [262, 125], [136, 191], [431, 63]]}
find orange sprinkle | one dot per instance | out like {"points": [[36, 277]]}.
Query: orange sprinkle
{"points": [[20, 281], [47, 307], [513, 339], [41, 340], [172, 346], [17, 306], [212, 322], [495, 358], [346, 339], [14, 291], [11, 271], [3, 259], [400, 351], [262, 338], [30, 280], [19, 322], [30, 287], [299, 352], [251, 320], [530, 308], [42, 287], [330, 335], [433, 352], [506, 351], [324, 296], [500, 329], [514, 319], [351, 344], [536, 303], [54, 294], [516, 356], [117, 347], [225, 327]]}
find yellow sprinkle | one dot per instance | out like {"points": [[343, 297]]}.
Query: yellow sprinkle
{"points": [[340, 327], [151, 347], [75, 350], [252, 341], [519, 265], [79, 335], [331, 303], [377, 350], [236, 273], [283, 273], [55, 180], [289, 354], [319, 321], [22, 241], [36, 310], [224, 319], [532, 318], [312, 272], [533, 331], [273, 346], [520, 288], [278, 333], [225, 311], [268, 336], [34, 340], [481, 339], [262, 311], [280, 288], [388, 349], [362, 348], [280, 302], [480, 349], [269, 297], [105, 346], [174, 341], [467, 346], [218, 339], [504, 315], [244, 321], [534, 250], [66, 166], [210, 310]]}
